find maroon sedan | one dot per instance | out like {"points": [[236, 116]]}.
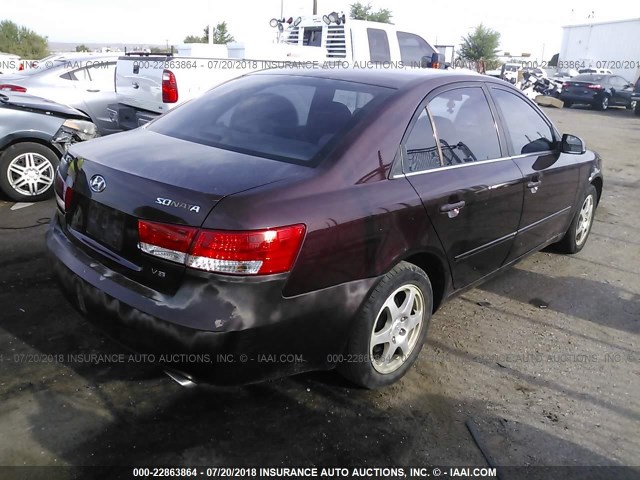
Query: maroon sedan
{"points": [[296, 220]]}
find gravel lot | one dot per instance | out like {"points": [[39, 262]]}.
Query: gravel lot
{"points": [[545, 386]]}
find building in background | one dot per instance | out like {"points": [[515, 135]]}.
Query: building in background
{"points": [[612, 45]]}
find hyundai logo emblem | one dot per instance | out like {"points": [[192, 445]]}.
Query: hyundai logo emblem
{"points": [[97, 183]]}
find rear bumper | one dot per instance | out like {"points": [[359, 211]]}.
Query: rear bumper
{"points": [[581, 98], [125, 117], [212, 329]]}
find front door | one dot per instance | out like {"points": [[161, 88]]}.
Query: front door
{"points": [[550, 177]]}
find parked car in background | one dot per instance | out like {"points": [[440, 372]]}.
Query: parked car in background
{"points": [[83, 81], [564, 74], [308, 218], [34, 134], [598, 71], [599, 91], [9, 63], [635, 97]]}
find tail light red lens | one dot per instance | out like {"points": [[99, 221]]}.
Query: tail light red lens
{"points": [[68, 198], [169, 242], [565, 85], [255, 252], [12, 88], [169, 87], [596, 87]]}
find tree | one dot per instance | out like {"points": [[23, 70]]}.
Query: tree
{"points": [[21, 41], [360, 11], [82, 48], [481, 46], [220, 35]]}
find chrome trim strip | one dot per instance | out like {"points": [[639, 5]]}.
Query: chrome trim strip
{"points": [[464, 255], [482, 162], [538, 222], [492, 243]]}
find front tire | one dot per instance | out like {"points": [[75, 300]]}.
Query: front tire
{"points": [[637, 109], [390, 329], [567, 104], [576, 237], [27, 170]]}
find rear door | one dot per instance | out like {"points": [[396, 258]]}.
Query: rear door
{"points": [[550, 177], [473, 196], [96, 85]]}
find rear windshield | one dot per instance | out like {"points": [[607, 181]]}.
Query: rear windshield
{"points": [[283, 117]]}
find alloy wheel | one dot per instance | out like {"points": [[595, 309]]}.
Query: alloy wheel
{"points": [[396, 329], [30, 174], [584, 220]]}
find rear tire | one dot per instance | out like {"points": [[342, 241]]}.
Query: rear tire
{"points": [[390, 329], [633, 105], [637, 109], [567, 104], [27, 171], [602, 104], [576, 237]]}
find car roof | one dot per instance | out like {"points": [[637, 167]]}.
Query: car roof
{"points": [[389, 77]]}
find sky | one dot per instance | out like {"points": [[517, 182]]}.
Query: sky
{"points": [[523, 28]]}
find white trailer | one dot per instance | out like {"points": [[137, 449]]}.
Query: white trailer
{"points": [[611, 46]]}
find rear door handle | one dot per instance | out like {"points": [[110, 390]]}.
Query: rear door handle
{"points": [[452, 209], [533, 185]]}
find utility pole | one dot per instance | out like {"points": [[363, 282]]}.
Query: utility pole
{"points": [[315, 7]]}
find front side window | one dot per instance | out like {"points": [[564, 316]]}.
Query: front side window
{"points": [[413, 48], [287, 118], [526, 129], [420, 147], [378, 45], [464, 126]]}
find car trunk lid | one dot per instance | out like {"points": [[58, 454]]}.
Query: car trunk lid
{"points": [[140, 175]]}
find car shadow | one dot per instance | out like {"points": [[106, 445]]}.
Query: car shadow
{"points": [[598, 302], [610, 112], [273, 424]]}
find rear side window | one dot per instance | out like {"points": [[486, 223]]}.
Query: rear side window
{"points": [[420, 147], [526, 129], [413, 48], [464, 126], [378, 45], [312, 36], [288, 118]]}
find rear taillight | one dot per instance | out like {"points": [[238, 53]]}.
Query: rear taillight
{"points": [[68, 198], [12, 88], [595, 87], [169, 242], [254, 252], [169, 87], [566, 85]]}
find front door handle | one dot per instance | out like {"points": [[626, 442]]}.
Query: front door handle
{"points": [[452, 209]]}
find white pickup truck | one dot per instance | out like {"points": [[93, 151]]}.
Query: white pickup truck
{"points": [[149, 85]]}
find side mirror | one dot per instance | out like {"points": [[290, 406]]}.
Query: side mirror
{"points": [[436, 60], [572, 144]]}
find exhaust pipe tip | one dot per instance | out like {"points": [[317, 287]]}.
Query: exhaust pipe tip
{"points": [[180, 379]]}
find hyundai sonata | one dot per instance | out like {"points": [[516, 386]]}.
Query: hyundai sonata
{"points": [[295, 220]]}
